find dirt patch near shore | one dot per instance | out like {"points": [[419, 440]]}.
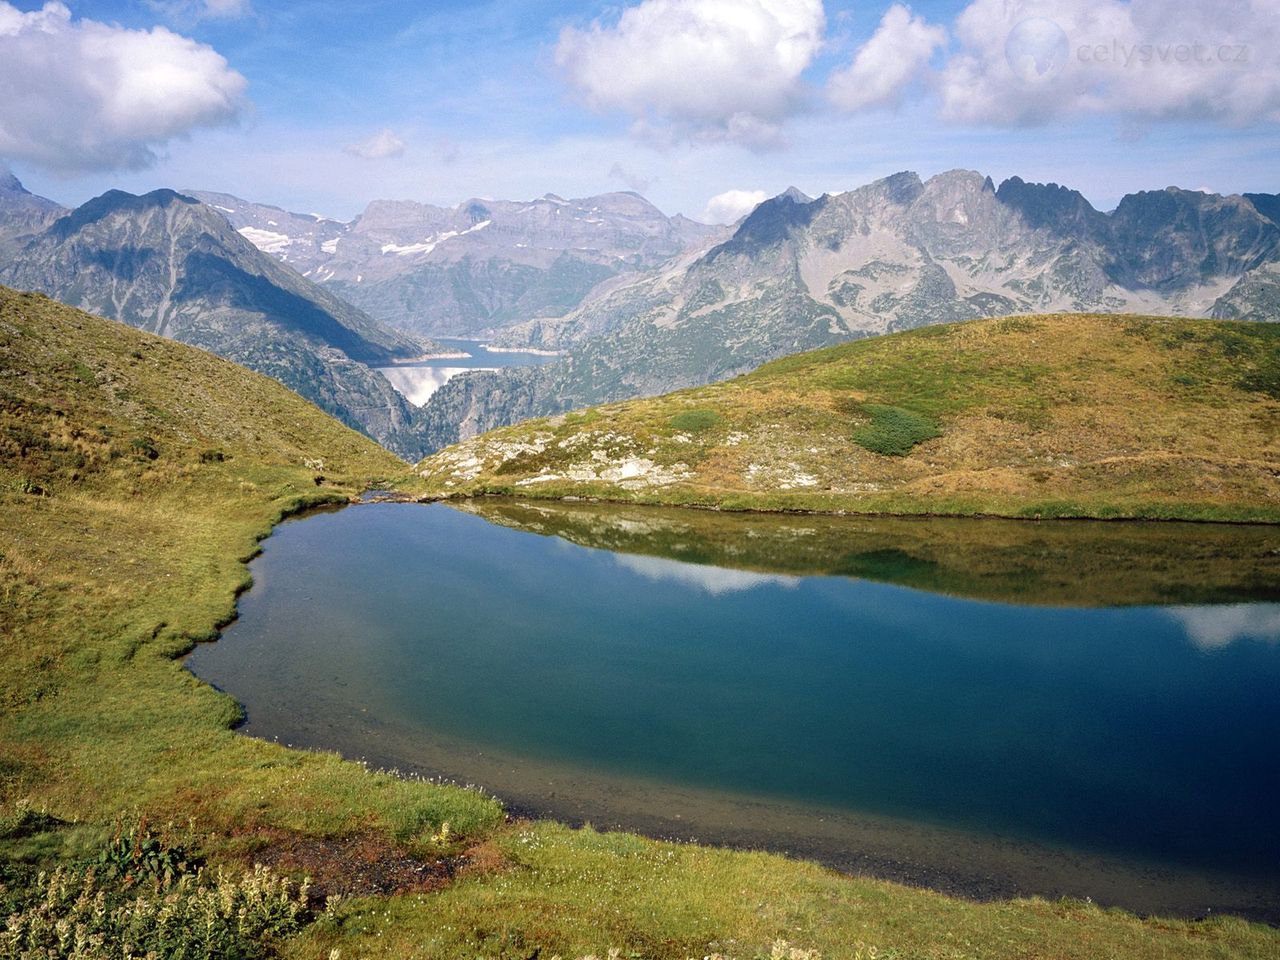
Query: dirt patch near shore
{"points": [[358, 866]]}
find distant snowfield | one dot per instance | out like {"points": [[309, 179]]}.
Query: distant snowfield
{"points": [[417, 384], [268, 241], [433, 241]]}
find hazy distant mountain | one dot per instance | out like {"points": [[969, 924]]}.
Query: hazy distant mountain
{"points": [[166, 263], [474, 269], [897, 253], [22, 212]]}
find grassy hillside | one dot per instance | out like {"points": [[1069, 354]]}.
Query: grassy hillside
{"points": [[136, 476], [1063, 415]]}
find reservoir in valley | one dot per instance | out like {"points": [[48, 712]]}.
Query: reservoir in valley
{"points": [[985, 707], [417, 380]]}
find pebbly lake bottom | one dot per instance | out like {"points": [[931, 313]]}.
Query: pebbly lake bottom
{"points": [[988, 708]]}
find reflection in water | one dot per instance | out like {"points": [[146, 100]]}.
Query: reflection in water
{"points": [[712, 580], [1210, 628], [1051, 563], [707, 675]]}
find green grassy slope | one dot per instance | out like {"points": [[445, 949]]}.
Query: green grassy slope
{"points": [[1062, 415], [136, 476]]}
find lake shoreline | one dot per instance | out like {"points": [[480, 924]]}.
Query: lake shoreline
{"points": [[999, 868], [583, 796], [411, 497]]}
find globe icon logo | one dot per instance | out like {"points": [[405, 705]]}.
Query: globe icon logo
{"points": [[1036, 49]]}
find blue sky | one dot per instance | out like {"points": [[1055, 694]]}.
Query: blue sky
{"points": [[451, 100]]}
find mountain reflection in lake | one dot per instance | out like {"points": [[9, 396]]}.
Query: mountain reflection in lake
{"points": [[988, 707]]}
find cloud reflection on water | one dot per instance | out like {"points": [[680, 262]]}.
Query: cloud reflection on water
{"points": [[713, 580], [1211, 628]]}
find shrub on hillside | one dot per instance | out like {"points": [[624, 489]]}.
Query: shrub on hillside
{"points": [[893, 431]]}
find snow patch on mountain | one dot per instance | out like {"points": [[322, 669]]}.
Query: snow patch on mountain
{"points": [[268, 241], [433, 241]]}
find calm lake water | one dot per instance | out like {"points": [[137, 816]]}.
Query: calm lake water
{"points": [[986, 707]]}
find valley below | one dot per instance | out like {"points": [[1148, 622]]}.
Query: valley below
{"points": [[418, 380]]}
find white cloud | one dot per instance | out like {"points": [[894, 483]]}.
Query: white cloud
{"points": [[885, 65], [1210, 628], [707, 70], [85, 95], [715, 581], [732, 205], [383, 145], [1023, 62]]}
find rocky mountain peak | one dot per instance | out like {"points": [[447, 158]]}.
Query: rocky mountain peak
{"points": [[1267, 204], [118, 202], [8, 182], [900, 189], [959, 181], [1048, 205], [13, 193], [769, 224]]}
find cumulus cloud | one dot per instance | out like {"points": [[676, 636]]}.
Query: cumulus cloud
{"points": [[1033, 61], [85, 95], [702, 70], [383, 145], [732, 205], [897, 53]]}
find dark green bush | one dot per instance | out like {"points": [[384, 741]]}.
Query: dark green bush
{"points": [[893, 431], [695, 421]]}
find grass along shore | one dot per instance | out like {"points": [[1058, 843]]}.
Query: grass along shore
{"points": [[1048, 416], [136, 478]]}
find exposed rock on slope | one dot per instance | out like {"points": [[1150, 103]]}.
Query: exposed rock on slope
{"points": [[22, 212]]}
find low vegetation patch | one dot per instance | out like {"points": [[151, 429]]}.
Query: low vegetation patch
{"points": [[74, 914], [893, 431], [695, 421]]}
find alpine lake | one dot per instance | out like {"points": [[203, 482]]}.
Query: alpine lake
{"points": [[990, 708]]}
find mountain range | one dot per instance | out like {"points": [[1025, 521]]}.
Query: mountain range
{"points": [[902, 252], [639, 303], [166, 263], [471, 270]]}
